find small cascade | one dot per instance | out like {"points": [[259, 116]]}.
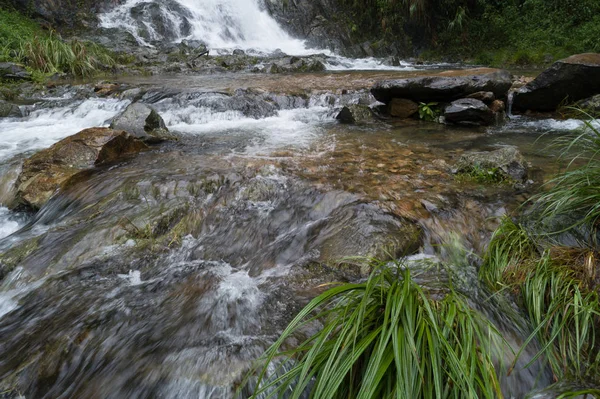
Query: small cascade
{"points": [[510, 100]]}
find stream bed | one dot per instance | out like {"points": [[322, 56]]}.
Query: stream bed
{"points": [[166, 275]]}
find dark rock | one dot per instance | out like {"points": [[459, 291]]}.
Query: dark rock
{"points": [[47, 171], [143, 122], [8, 110], [355, 114], [444, 87], [486, 96], [239, 52], [568, 80], [507, 160], [12, 71], [402, 108], [468, 111]]}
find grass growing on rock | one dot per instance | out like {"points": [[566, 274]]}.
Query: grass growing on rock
{"points": [[45, 53], [376, 335]]}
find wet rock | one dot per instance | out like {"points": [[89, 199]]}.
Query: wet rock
{"points": [[507, 160], [143, 122], [8, 110], [486, 96], [238, 52], [445, 86], [498, 106], [46, 171], [568, 80], [468, 111], [363, 230], [132, 95], [12, 71], [590, 105], [355, 114], [106, 88], [403, 108]]}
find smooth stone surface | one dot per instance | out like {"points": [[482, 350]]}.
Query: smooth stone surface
{"points": [[403, 108], [445, 86], [46, 171], [143, 122], [8, 110], [572, 79], [468, 111]]}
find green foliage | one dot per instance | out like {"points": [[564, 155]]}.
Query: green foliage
{"points": [[480, 175], [429, 111], [510, 247], [386, 338], [23, 41], [573, 195]]}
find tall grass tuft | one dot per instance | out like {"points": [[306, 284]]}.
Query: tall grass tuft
{"points": [[567, 314], [51, 54], [385, 338], [573, 200], [510, 246]]}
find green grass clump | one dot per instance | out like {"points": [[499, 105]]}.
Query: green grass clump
{"points": [[477, 174], [383, 338], [45, 53], [573, 195]]}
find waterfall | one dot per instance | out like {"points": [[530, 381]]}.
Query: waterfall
{"points": [[220, 24]]}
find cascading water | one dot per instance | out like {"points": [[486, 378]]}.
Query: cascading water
{"points": [[218, 23]]}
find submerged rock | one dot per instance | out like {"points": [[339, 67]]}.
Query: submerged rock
{"points": [[444, 87], [568, 80], [143, 122], [507, 160], [468, 111], [8, 110], [49, 169], [402, 108]]}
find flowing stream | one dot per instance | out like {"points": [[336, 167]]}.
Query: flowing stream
{"points": [[168, 274]]}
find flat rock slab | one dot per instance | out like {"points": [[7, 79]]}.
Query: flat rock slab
{"points": [[46, 171], [446, 86], [566, 81]]}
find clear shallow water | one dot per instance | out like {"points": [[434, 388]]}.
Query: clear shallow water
{"points": [[185, 320]]}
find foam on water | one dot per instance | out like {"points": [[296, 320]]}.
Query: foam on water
{"points": [[296, 127], [8, 223], [44, 127]]}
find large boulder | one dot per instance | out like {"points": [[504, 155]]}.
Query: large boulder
{"points": [[469, 111], [143, 122], [46, 171], [446, 86], [506, 161], [8, 110], [568, 80]]}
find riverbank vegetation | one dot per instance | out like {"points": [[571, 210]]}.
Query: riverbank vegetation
{"points": [[491, 32], [376, 333], [44, 52]]}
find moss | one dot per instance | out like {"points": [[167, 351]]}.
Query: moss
{"points": [[481, 175], [15, 255]]}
